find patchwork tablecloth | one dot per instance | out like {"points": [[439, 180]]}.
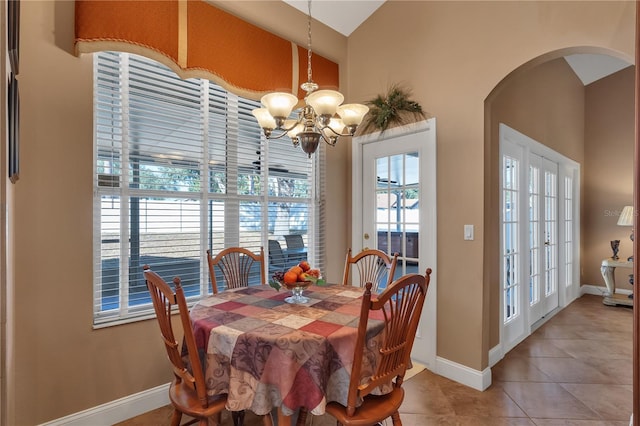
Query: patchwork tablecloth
{"points": [[265, 353]]}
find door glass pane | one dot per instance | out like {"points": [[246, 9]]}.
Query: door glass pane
{"points": [[551, 226], [398, 209], [510, 232], [534, 235], [568, 230]]}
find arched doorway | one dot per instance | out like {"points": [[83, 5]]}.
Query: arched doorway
{"points": [[545, 100]]}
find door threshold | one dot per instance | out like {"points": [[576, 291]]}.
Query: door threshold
{"points": [[536, 325]]}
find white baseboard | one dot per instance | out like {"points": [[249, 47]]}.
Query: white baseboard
{"points": [[118, 410], [592, 289], [600, 290], [495, 354], [479, 380]]}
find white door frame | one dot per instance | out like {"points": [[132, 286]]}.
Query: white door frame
{"points": [[510, 141], [426, 132]]}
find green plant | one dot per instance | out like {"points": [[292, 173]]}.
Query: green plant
{"points": [[394, 108]]}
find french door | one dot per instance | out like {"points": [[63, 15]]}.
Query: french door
{"points": [[539, 233], [543, 237], [394, 208]]}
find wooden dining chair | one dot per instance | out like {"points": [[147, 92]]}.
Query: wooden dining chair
{"points": [[236, 264], [187, 393], [400, 305], [372, 265]]}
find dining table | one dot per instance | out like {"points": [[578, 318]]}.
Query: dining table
{"points": [[266, 353]]}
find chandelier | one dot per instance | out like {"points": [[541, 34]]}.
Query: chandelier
{"points": [[316, 120]]}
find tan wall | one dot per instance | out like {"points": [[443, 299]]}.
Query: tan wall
{"points": [[58, 359], [608, 173], [452, 54], [545, 103]]}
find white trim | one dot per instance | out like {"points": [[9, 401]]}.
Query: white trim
{"points": [[478, 380], [596, 290], [495, 355], [599, 290], [407, 129], [539, 149], [118, 410]]}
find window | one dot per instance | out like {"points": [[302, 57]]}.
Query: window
{"points": [[181, 166]]}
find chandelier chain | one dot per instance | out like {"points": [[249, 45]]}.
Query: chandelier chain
{"points": [[317, 119], [309, 44]]}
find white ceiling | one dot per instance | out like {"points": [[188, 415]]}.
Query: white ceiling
{"points": [[590, 67], [345, 16]]}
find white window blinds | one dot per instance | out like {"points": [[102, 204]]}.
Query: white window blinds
{"points": [[181, 166]]}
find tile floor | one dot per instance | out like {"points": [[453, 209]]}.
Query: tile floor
{"points": [[575, 370]]}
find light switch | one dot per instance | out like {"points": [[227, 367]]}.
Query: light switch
{"points": [[468, 232]]}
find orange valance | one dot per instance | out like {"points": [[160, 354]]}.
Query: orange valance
{"points": [[196, 39]]}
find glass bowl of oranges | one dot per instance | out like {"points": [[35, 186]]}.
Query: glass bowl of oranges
{"points": [[296, 279]]}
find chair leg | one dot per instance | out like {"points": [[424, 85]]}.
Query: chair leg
{"points": [[175, 419], [302, 417], [212, 421], [395, 417], [267, 420], [238, 418]]}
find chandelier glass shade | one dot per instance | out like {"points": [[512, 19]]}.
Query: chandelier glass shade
{"points": [[323, 116]]}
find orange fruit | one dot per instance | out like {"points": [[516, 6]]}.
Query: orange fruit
{"points": [[303, 277], [290, 277], [296, 269], [304, 265]]}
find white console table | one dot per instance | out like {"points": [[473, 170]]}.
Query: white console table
{"points": [[608, 269]]}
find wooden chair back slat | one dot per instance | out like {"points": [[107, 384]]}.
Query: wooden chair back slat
{"points": [[372, 266], [235, 264]]}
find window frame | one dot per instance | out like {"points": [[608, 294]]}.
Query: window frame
{"points": [[120, 186]]}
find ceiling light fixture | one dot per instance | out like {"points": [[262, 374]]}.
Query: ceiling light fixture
{"points": [[316, 119]]}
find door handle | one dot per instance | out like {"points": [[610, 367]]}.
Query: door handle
{"points": [[366, 236]]}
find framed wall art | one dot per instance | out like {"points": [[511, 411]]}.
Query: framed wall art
{"points": [[13, 116], [13, 34], [13, 95]]}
